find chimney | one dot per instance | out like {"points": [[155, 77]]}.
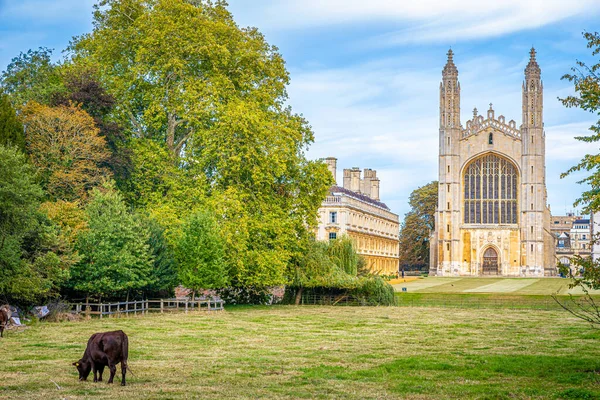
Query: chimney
{"points": [[355, 179], [332, 167], [365, 184], [347, 178], [374, 189]]}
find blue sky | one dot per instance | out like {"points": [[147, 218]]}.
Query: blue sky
{"points": [[366, 73]]}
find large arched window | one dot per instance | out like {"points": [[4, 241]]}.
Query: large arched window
{"points": [[490, 184]]}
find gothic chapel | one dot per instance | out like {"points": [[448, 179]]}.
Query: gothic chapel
{"points": [[492, 216]]}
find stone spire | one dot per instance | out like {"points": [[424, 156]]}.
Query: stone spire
{"points": [[532, 69], [450, 69]]}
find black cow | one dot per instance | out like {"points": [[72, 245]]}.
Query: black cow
{"points": [[4, 318], [104, 349]]}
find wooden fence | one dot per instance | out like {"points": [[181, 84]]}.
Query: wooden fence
{"points": [[145, 306]]}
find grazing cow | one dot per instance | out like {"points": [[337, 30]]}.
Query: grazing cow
{"points": [[104, 349], [4, 317]]}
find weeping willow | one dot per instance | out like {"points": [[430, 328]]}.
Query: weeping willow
{"points": [[343, 253]]}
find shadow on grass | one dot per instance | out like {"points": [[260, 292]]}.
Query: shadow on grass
{"points": [[473, 376]]}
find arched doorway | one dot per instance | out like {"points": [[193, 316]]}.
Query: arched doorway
{"points": [[490, 262]]}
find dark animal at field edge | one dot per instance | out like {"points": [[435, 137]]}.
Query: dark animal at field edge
{"points": [[104, 349], [4, 318]]}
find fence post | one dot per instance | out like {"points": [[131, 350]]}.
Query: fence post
{"points": [[162, 306], [135, 307], [101, 308], [186, 306]]}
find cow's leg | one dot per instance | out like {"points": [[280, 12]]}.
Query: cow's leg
{"points": [[95, 369], [100, 371], [113, 370], [123, 372]]}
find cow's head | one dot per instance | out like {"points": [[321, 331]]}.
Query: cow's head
{"points": [[84, 367]]}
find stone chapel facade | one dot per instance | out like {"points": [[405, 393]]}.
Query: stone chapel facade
{"points": [[492, 216]]}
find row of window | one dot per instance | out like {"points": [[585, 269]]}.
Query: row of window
{"points": [[363, 220]]}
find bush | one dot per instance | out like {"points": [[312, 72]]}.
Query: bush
{"points": [[246, 295], [374, 290]]}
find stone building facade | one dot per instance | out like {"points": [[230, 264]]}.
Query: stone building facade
{"points": [[573, 237], [492, 216], [356, 210]]}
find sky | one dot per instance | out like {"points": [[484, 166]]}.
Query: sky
{"points": [[366, 74]]}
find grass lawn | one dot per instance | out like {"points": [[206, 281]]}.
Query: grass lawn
{"points": [[515, 286], [319, 352]]}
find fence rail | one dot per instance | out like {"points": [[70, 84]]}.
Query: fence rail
{"points": [[145, 306]]}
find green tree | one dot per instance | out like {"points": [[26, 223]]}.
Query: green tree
{"points": [[586, 81], [418, 224], [201, 254], [323, 264], [163, 275], [343, 254], [114, 250], [173, 64], [11, 128], [32, 76], [190, 83], [33, 261]]}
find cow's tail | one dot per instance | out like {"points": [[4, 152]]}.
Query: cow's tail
{"points": [[125, 350]]}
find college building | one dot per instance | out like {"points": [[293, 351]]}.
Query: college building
{"points": [[356, 210], [492, 216]]}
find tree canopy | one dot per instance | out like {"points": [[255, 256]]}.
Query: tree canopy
{"points": [[201, 254], [115, 254], [65, 146], [585, 271], [32, 260], [11, 129], [586, 81], [418, 224]]}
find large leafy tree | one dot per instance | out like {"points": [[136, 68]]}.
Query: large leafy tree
{"points": [[115, 254], [11, 128], [32, 76], [201, 254], [173, 64], [418, 224], [210, 97], [33, 261], [65, 146], [586, 81]]}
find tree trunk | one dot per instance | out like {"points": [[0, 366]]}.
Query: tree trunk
{"points": [[171, 125], [299, 295]]}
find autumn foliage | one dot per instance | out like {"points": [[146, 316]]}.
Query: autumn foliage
{"points": [[65, 146]]}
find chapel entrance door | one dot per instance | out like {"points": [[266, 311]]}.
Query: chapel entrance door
{"points": [[490, 262]]}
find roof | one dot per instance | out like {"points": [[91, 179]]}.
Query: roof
{"points": [[362, 197], [582, 221]]}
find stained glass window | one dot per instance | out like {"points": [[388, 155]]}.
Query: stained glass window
{"points": [[490, 184]]}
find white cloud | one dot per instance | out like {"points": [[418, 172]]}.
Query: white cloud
{"points": [[415, 21]]}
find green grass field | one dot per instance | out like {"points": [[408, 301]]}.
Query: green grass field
{"points": [[319, 352], [513, 286]]}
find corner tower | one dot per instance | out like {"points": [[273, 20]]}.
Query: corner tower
{"points": [[448, 215], [533, 167]]}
